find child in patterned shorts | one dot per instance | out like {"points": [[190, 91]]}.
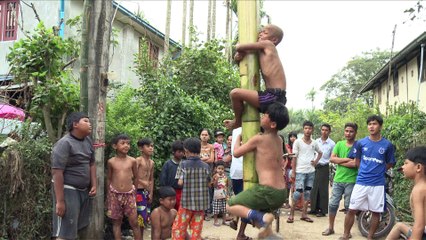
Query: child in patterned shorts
{"points": [[220, 184]]}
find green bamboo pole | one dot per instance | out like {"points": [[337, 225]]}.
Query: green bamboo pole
{"points": [[248, 22]]}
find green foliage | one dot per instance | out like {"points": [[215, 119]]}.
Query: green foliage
{"points": [[343, 86], [297, 117], [176, 99], [39, 60], [416, 12], [25, 186], [356, 112], [405, 128]]}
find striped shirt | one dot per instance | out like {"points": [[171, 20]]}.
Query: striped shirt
{"points": [[196, 177]]}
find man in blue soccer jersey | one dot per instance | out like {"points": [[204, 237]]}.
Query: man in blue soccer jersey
{"points": [[373, 156]]}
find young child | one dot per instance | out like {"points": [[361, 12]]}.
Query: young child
{"points": [[73, 178], [195, 175], [121, 181], [145, 186], [220, 184], [272, 72], [168, 172], [219, 146], [271, 191], [414, 168], [163, 216], [207, 156]]}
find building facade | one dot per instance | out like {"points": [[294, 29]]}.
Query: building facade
{"points": [[406, 81], [130, 32]]}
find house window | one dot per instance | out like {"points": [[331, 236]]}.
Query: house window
{"points": [[152, 50], [9, 12], [402, 79], [395, 85], [379, 95]]}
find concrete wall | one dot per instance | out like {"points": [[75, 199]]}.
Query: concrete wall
{"points": [[48, 11], [408, 86], [122, 54]]}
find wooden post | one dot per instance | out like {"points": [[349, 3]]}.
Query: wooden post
{"points": [[98, 20], [248, 22]]}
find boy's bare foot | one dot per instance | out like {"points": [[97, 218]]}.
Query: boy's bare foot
{"points": [[265, 232]]}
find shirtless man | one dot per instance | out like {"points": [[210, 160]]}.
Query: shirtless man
{"points": [[271, 192], [122, 178], [145, 186], [272, 73], [162, 217]]}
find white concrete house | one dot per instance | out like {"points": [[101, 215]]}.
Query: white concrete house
{"points": [[407, 81], [17, 16]]}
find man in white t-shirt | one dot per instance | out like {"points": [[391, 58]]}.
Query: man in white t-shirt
{"points": [[303, 165], [236, 173]]}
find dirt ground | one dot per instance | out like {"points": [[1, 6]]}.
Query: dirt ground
{"points": [[297, 230]]}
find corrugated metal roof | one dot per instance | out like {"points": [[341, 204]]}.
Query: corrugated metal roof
{"points": [[144, 24], [381, 75]]}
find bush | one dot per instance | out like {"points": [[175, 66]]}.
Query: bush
{"points": [[25, 185], [405, 128]]}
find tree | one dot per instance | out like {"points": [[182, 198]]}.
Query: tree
{"points": [[213, 20], [311, 97], [178, 98], [184, 15], [191, 22], [209, 20], [39, 63], [95, 43], [168, 21], [344, 86], [416, 12], [228, 38]]}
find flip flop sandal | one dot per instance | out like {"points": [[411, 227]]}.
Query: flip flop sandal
{"points": [[217, 224], [290, 219], [306, 219], [345, 238], [328, 232]]}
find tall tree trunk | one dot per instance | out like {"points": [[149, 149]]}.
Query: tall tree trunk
{"points": [[191, 22], [84, 54], [184, 15], [248, 20], [209, 20], [213, 19], [228, 50], [167, 34], [98, 20]]}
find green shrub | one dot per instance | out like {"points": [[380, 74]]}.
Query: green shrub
{"points": [[25, 185]]}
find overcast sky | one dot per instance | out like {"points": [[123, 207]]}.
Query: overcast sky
{"points": [[320, 37]]}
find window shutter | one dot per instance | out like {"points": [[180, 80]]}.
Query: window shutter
{"points": [[9, 22]]}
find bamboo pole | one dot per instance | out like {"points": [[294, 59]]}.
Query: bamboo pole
{"points": [[248, 22]]}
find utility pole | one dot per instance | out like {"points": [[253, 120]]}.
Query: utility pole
{"points": [[95, 42], [248, 20]]}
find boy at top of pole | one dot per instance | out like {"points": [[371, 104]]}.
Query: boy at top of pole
{"points": [[272, 72]]}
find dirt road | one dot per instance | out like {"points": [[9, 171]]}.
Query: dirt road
{"points": [[294, 231]]}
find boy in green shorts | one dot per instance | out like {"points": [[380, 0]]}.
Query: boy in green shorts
{"points": [[271, 192]]}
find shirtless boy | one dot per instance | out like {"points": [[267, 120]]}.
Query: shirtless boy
{"points": [[145, 186], [414, 168], [270, 193], [272, 73], [122, 178], [162, 217]]}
